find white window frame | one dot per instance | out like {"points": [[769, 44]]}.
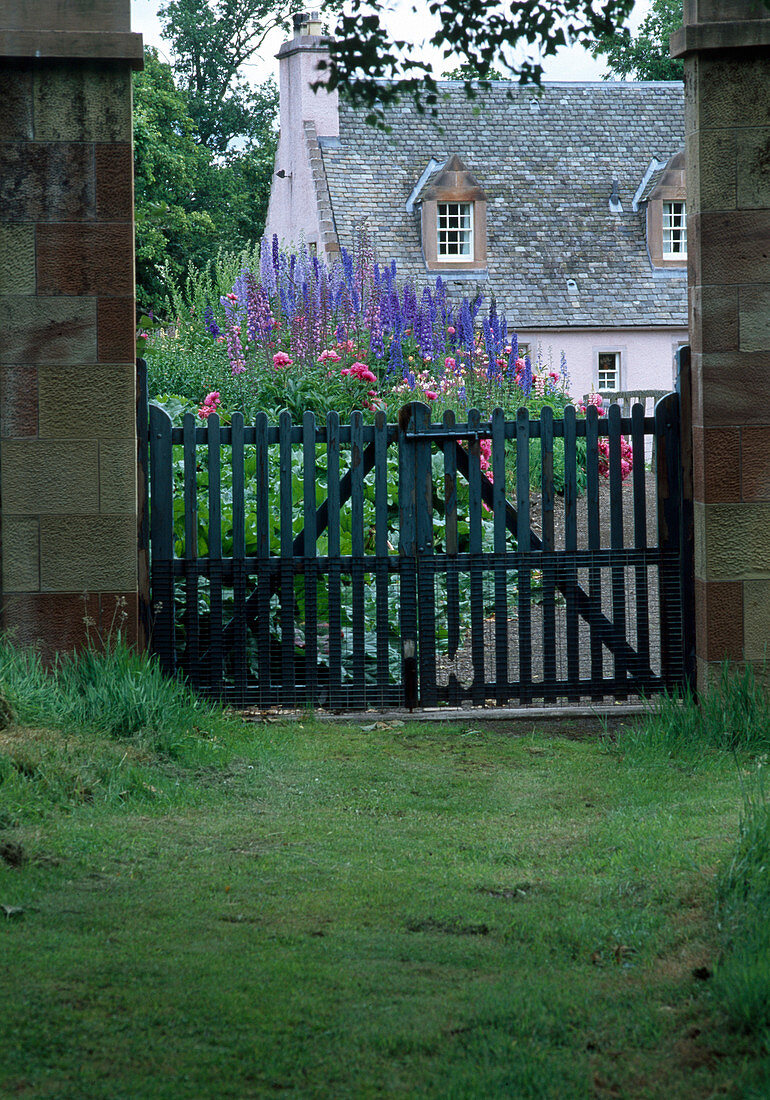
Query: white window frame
{"points": [[618, 371], [674, 231], [455, 258]]}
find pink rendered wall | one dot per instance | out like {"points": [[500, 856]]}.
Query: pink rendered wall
{"points": [[647, 355], [293, 209]]}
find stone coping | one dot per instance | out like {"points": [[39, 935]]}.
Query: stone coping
{"points": [[70, 45], [738, 35]]}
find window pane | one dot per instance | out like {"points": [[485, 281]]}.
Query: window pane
{"points": [[674, 229], [608, 371], [455, 230]]}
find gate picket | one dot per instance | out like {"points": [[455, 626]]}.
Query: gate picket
{"points": [[336, 700], [476, 578], [522, 545], [549, 571], [640, 532], [215, 665], [311, 551], [162, 538], [262, 474], [451, 549], [191, 622], [426, 589], [381, 551], [357, 566], [288, 679], [570, 547], [616, 542], [594, 542], [500, 541]]}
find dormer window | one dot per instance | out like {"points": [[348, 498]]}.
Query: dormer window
{"points": [[674, 231], [455, 231], [453, 220], [663, 190]]}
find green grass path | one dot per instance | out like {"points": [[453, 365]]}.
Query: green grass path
{"points": [[331, 912]]}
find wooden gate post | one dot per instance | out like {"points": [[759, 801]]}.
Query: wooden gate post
{"points": [[67, 316], [726, 49]]}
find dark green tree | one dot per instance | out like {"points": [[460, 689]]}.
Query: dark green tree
{"points": [[644, 56], [189, 202], [212, 40]]}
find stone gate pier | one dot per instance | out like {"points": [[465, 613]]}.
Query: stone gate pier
{"points": [[726, 49], [67, 319]]}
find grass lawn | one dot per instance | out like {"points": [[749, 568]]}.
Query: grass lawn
{"points": [[308, 910]]}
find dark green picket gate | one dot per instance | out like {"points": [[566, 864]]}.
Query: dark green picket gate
{"points": [[305, 575]]}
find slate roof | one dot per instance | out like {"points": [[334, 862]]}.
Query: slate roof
{"points": [[547, 164]]}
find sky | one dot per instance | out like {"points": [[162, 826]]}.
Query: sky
{"points": [[573, 63]]}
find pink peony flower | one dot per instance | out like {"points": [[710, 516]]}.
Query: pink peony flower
{"points": [[281, 359], [431, 395], [451, 330], [329, 355], [450, 363]]}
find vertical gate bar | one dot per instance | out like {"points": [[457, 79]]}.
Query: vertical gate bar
{"points": [[426, 593], [502, 675], [191, 622], [570, 546], [215, 554], [594, 543], [237, 457], [451, 550], [549, 569], [640, 536], [143, 505], [336, 701], [687, 522], [262, 474], [162, 538], [616, 543], [288, 672], [523, 545], [668, 466], [382, 624], [311, 552], [407, 551], [477, 577], [357, 525]]}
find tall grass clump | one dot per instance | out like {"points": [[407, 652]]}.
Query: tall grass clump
{"points": [[114, 690], [742, 977], [732, 717]]}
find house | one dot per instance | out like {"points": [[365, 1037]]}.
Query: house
{"points": [[567, 205]]}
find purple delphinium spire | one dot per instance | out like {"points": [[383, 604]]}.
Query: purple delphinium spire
{"points": [[526, 380], [266, 267], [513, 355], [212, 327]]}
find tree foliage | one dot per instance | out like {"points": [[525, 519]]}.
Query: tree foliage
{"points": [[645, 55], [189, 202], [481, 33], [212, 41]]}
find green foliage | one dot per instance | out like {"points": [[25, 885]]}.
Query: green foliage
{"points": [[483, 35], [211, 42], [742, 978], [189, 202], [733, 716], [114, 689], [645, 56]]}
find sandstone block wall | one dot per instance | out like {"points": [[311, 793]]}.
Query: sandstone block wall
{"points": [[726, 47], [67, 317]]}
